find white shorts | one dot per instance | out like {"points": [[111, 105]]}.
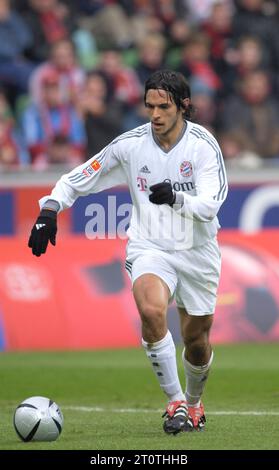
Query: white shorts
{"points": [[191, 275]]}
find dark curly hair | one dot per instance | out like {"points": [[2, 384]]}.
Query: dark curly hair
{"points": [[176, 85]]}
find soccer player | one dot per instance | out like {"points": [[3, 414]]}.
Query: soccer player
{"points": [[176, 176]]}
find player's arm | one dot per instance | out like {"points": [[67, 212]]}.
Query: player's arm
{"points": [[99, 172], [211, 186]]}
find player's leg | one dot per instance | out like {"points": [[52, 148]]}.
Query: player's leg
{"points": [[196, 294], [195, 332], [197, 358], [152, 295]]}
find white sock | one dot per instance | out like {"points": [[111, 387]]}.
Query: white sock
{"points": [[162, 356], [196, 378]]}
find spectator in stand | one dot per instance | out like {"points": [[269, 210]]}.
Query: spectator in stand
{"points": [[8, 148], [107, 21], [102, 116], [179, 33], [151, 56], [49, 21], [252, 18], [15, 38], [254, 115], [205, 107], [12, 150], [124, 85], [195, 64], [59, 152], [63, 62], [169, 11], [50, 118], [218, 28], [136, 116], [199, 10], [233, 146], [5, 109], [248, 56], [149, 16]]}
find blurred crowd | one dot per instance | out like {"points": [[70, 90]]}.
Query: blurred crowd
{"points": [[72, 74]]}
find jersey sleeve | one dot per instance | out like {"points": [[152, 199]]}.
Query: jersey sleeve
{"points": [[100, 172], [211, 184]]}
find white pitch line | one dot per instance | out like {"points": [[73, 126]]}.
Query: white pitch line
{"points": [[97, 409]]}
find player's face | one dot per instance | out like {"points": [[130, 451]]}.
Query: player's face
{"points": [[163, 113]]}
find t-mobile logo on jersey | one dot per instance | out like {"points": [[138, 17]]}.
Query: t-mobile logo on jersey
{"points": [[177, 186], [141, 183]]}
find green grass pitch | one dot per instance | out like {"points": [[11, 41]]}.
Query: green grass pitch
{"points": [[111, 400]]}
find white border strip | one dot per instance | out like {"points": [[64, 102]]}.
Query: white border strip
{"points": [[97, 409]]}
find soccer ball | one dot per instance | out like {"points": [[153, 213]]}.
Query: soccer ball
{"points": [[38, 419]]}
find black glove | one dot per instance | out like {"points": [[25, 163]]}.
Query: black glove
{"points": [[43, 231], [162, 193]]}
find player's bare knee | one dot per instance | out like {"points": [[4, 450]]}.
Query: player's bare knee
{"points": [[198, 349], [198, 353], [152, 313]]}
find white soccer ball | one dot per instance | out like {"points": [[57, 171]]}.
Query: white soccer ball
{"points": [[38, 419]]}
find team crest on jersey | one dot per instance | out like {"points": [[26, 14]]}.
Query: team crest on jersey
{"points": [[186, 168], [94, 166]]}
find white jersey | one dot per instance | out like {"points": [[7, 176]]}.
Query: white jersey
{"points": [[194, 166]]}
